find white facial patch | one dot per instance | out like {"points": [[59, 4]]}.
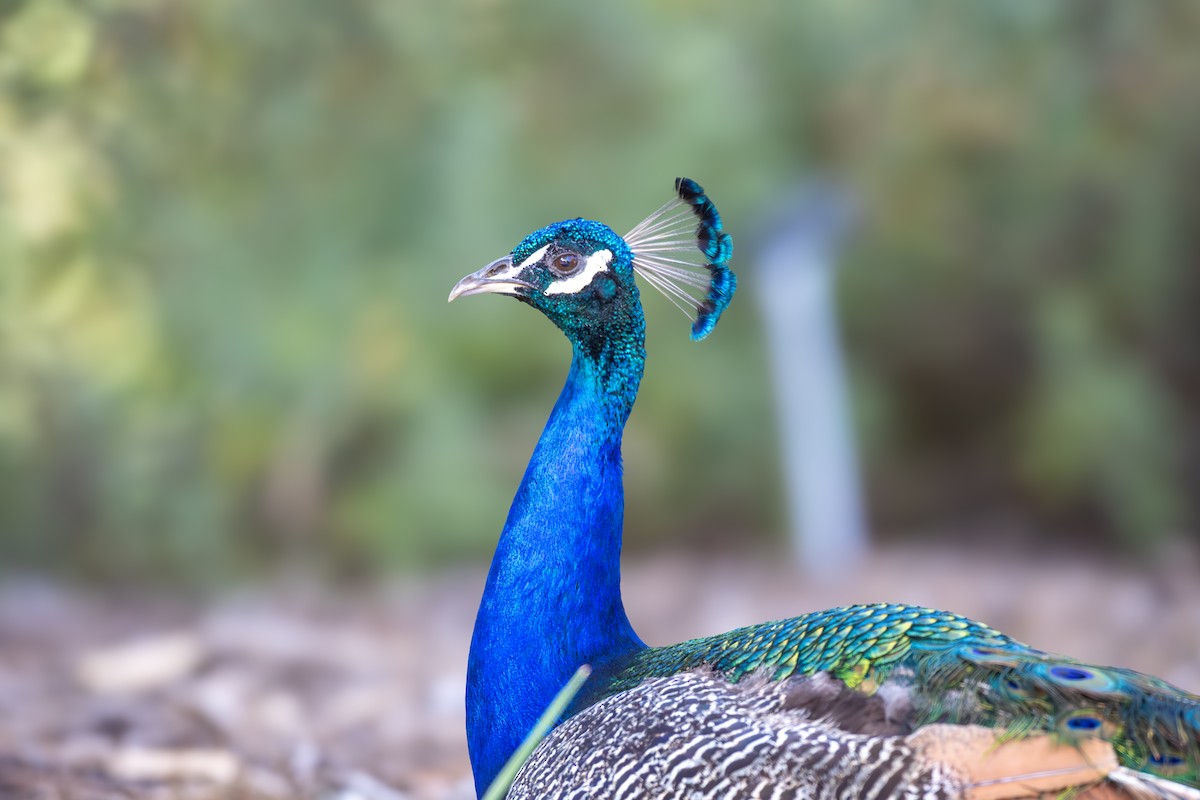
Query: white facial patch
{"points": [[513, 270], [533, 259], [596, 263]]}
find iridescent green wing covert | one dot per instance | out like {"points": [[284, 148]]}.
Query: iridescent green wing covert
{"points": [[855, 644]]}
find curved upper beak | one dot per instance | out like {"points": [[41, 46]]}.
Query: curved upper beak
{"points": [[498, 277]]}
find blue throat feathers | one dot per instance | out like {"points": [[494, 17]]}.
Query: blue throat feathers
{"points": [[553, 599]]}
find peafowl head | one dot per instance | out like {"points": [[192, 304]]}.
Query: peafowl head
{"points": [[577, 272], [580, 274]]}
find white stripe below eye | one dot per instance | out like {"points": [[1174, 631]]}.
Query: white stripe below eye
{"points": [[596, 263]]}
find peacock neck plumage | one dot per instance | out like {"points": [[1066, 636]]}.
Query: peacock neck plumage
{"points": [[552, 599]]}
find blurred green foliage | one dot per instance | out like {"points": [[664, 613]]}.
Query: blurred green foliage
{"points": [[227, 231]]}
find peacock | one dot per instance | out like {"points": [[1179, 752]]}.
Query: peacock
{"points": [[875, 701]]}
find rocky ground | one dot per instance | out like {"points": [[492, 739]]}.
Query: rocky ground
{"points": [[287, 692]]}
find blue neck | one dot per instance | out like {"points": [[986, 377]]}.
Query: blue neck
{"points": [[553, 596]]}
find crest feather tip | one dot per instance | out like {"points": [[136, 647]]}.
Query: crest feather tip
{"points": [[683, 251]]}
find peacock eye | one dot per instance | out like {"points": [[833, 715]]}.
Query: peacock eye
{"points": [[565, 263]]}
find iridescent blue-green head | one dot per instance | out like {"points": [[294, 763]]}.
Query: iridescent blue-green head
{"points": [[577, 272], [580, 274]]}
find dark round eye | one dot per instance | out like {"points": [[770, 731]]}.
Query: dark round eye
{"points": [[565, 263]]}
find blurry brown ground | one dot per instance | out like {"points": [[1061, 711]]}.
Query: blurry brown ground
{"points": [[286, 693]]}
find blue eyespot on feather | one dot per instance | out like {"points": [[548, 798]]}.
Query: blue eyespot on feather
{"points": [[1166, 760], [1168, 765], [682, 251], [1085, 722], [984, 656], [1071, 673], [1087, 679]]}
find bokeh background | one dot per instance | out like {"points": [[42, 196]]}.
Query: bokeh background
{"points": [[227, 231]]}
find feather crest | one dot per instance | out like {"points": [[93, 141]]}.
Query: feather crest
{"points": [[683, 252]]}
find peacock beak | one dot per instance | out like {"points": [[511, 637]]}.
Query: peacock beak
{"points": [[498, 277]]}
